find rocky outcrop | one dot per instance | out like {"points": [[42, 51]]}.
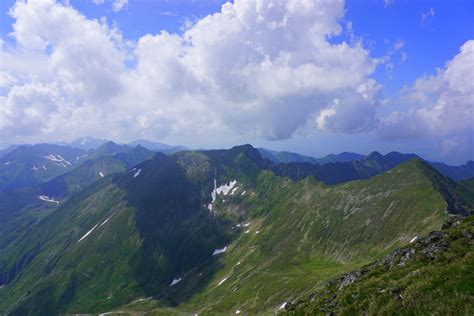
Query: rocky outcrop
{"points": [[422, 248]]}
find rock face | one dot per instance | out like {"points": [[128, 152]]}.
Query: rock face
{"points": [[454, 241]]}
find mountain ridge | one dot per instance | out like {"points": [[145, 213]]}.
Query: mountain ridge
{"points": [[174, 192]]}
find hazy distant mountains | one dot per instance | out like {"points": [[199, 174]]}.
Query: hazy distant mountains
{"points": [[26, 165], [357, 166], [88, 143], [157, 146], [286, 156]]}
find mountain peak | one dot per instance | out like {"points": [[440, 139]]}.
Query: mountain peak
{"points": [[374, 155], [87, 143], [243, 147]]}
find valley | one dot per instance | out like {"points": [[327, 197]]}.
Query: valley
{"points": [[208, 232]]}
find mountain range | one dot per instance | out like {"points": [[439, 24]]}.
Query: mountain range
{"points": [[375, 160], [122, 228], [206, 231]]}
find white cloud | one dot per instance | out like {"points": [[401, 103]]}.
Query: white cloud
{"points": [[119, 5], [256, 68], [440, 106], [389, 60], [426, 16]]}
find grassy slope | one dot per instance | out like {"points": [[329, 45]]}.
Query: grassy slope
{"points": [[49, 280], [437, 279], [27, 165], [49, 270], [308, 233], [21, 209]]}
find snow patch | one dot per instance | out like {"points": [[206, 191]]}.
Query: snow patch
{"points": [[58, 159], [237, 311], [88, 233], [135, 301], [283, 306], [233, 190], [243, 193], [247, 231], [35, 168], [175, 281], [219, 251], [47, 199], [247, 224], [238, 263], [137, 173], [224, 189], [101, 174], [413, 239], [103, 223], [222, 281]]}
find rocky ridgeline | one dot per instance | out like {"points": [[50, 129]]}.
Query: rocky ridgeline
{"points": [[424, 247]]}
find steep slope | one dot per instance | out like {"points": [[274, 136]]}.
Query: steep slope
{"points": [[8, 150], [331, 173], [108, 149], [302, 233], [461, 172], [92, 170], [28, 166], [130, 235], [433, 275], [22, 208], [355, 166], [212, 232], [340, 172], [468, 184], [341, 157]]}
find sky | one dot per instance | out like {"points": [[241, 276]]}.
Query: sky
{"points": [[314, 77]]}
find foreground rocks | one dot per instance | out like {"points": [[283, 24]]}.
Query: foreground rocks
{"points": [[432, 249]]}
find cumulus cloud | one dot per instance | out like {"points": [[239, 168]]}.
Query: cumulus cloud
{"points": [[256, 68], [440, 106]]}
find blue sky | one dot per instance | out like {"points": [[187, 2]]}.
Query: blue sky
{"points": [[411, 39]]}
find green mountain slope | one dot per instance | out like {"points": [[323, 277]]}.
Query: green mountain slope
{"points": [[21, 209], [468, 184], [433, 275], [27, 166], [308, 232], [213, 232]]}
